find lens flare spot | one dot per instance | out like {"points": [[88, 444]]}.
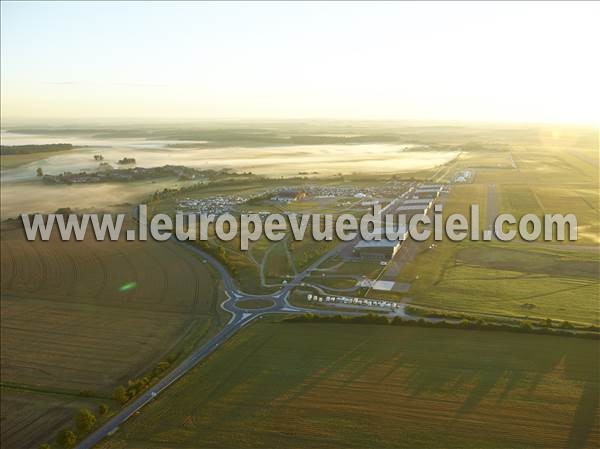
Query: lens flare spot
{"points": [[128, 286]]}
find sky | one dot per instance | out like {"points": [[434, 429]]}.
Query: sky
{"points": [[510, 62]]}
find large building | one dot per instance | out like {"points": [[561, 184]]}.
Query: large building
{"points": [[428, 192], [410, 210], [427, 202], [377, 249]]}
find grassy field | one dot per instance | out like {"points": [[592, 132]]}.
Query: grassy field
{"points": [[366, 268], [16, 160], [35, 196], [542, 172], [507, 279], [308, 250], [537, 172], [88, 316], [278, 263], [254, 303], [85, 317], [333, 282], [30, 417], [326, 385]]}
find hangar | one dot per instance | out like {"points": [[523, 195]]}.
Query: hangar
{"points": [[427, 202], [411, 210], [377, 249], [428, 192]]}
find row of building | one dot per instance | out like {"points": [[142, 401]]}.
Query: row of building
{"points": [[419, 201]]}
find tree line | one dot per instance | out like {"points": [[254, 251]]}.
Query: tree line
{"points": [[85, 420], [479, 324], [30, 149]]}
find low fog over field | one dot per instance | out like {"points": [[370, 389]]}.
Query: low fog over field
{"points": [[269, 152]]}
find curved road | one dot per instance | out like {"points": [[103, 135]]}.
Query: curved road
{"points": [[239, 318]]}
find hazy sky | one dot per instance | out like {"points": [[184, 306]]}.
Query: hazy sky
{"points": [[462, 61]]}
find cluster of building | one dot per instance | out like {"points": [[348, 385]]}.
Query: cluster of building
{"points": [[107, 173], [466, 176], [293, 194], [215, 205], [417, 201], [288, 195], [222, 204], [380, 303], [322, 192]]}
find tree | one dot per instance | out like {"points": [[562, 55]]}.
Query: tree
{"points": [[45, 446], [85, 420], [102, 409], [526, 326], [160, 368], [120, 394], [39, 171], [566, 325], [66, 438], [68, 211]]}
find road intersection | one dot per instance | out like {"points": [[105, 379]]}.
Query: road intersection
{"points": [[240, 317]]}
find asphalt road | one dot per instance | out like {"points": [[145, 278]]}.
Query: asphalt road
{"points": [[239, 318]]}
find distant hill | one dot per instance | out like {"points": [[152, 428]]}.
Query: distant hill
{"points": [[30, 149]]}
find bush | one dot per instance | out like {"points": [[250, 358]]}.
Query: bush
{"points": [[566, 325], [134, 387], [526, 326], [85, 420], [102, 409], [66, 438], [120, 394], [160, 368]]}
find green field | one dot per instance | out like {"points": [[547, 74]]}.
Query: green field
{"points": [[329, 385], [332, 282], [254, 303], [507, 279], [277, 262], [537, 171], [17, 160], [80, 318]]}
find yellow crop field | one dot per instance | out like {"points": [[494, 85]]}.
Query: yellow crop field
{"points": [[80, 318]]}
